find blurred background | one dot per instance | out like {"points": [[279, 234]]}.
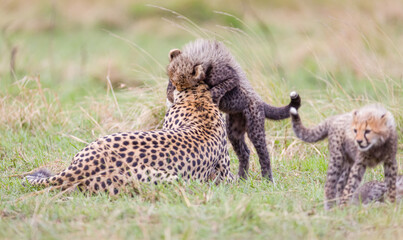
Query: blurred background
{"points": [[99, 66]]}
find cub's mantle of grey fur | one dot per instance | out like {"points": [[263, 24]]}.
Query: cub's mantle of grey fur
{"points": [[230, 88], [374, 191]]}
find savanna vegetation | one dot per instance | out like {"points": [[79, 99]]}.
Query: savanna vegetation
{"points": [[71, 71]]}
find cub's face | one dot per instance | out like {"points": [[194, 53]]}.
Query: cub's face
{"points": [[369, 130], [182, 72]]}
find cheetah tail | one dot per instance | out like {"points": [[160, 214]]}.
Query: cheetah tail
{"points": [[40, 177], [279, 113], [311, 135]]}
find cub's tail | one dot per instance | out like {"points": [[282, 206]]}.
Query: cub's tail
{"points": [[279, 113], [311, 135]]}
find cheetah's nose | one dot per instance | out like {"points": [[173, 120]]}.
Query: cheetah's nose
{"points": [[359, 142]]}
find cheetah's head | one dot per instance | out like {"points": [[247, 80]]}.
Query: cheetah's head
{"points": [[182, 72], [371, 126]]}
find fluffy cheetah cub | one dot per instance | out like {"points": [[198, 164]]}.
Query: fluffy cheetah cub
{"points": [[363, 138], [374, 191], [231, 90], [192, 145]]}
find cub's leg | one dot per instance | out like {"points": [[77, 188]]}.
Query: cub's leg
{"points": [[333, 172], [341, 183], [390, 170], [255, 118], [219, 90], [354, 180], [236, 127]]}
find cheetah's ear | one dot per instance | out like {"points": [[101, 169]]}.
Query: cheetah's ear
{"points": [[199, 74], [383, 119], [355, 112], [174, 53]]}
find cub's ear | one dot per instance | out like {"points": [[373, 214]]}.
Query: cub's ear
{"points": [[173, 53], [383, 119], [199, 74], [355, 113]]}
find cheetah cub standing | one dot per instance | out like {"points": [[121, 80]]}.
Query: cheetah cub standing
{"points": [[374, 191], [231, 90], [192, 145], [363, 138]]}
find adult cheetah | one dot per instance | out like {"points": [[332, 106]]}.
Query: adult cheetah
{"points": [[192, 145]]}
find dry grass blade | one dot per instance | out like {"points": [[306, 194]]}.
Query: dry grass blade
{"points": [[75, 138], [196, 26], [48, 189], [185, 198], [38, 82], [93, 120], [21, 175], [110, 87]]}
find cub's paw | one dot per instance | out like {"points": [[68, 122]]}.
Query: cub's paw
{"points": [[295, 100]]}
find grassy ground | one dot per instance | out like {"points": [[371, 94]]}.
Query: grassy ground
{"points": [[55, 96]]}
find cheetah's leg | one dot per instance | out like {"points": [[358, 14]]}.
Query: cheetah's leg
{"points": [[236, 127], [334, 171], [154, 175], [354, 180], [219, 90], [255, 127], [341, 183], [223, 168], [115, 181], [390, 170]]}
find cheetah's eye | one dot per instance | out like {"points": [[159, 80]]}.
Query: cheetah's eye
{"points": [[193, 72], [355, 130], [367, 131]]}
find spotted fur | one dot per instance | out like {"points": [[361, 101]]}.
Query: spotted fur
{"points": [[357, 140], [246, 111], [191, 146], [374, 191]]}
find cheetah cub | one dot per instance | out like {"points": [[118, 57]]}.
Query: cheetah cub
{"points": [[363, 138], [231, 90], [374, 191]]}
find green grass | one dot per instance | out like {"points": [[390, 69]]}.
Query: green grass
{"points": [[336, 64]]}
